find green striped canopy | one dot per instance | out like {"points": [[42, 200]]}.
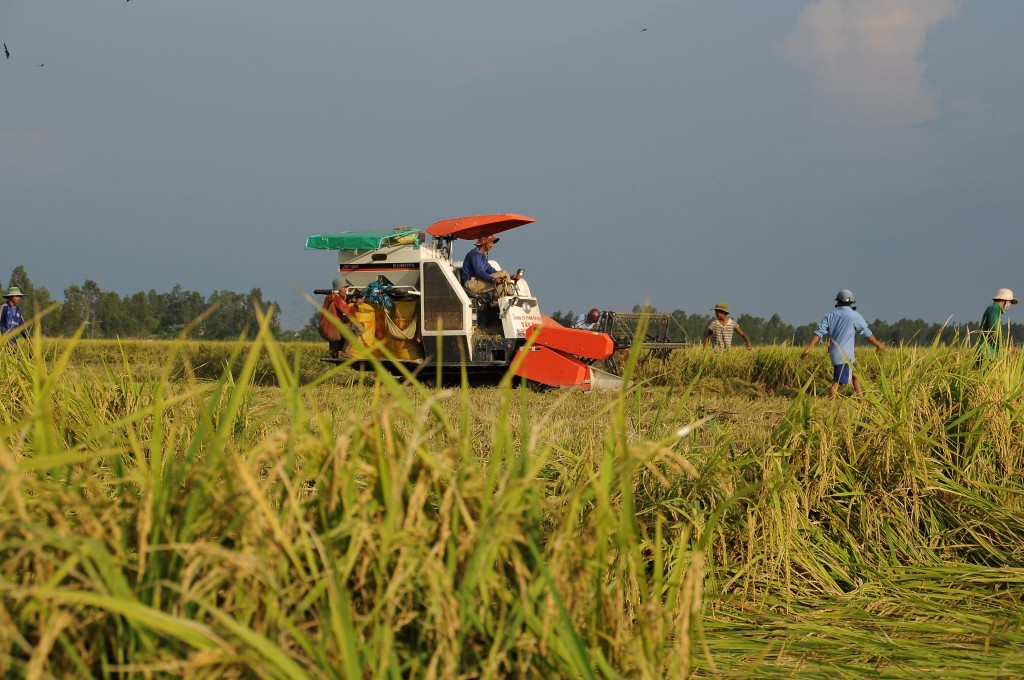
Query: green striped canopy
{"points": [[363, 240]]}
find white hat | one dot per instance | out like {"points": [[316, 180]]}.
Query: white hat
{"points": [[1005, 294]]}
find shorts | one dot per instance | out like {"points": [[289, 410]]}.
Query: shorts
{"points": [[841, 373]]}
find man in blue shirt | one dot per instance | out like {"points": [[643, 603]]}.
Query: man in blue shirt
{"points": [[478, 276], [841, 326], [10, 315]]}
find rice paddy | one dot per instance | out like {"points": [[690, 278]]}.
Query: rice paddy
{"points": [[240, 510]]}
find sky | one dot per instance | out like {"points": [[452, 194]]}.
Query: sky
{"points": [[678, 153]]}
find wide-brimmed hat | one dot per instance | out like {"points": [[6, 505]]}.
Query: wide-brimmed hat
{"points": [[14, 291], [721, 307], [485, 239], [1005, 294]]}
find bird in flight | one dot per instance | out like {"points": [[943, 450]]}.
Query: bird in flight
{"points": [[40, 65], [7, 52], [642, 30]]}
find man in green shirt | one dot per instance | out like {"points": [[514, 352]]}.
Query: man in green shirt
{"points": [[991, 334]]}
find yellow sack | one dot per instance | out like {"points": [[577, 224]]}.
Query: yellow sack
{"points": [[405, 350], [401, 322], [365, 344]]}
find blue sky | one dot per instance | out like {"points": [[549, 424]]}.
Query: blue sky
{"points": [[762, 153]]}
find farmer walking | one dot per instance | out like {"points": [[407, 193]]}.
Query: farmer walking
{"points": [[990, 334], [841, 325], [721, 328], [10, 315]]}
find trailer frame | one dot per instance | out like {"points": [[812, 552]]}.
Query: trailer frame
{"points": [[625, 329]]}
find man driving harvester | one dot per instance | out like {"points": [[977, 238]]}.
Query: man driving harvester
{"points": [[478, 276]]}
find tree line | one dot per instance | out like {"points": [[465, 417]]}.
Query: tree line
{"points": [[692, 327], [106, 314]]}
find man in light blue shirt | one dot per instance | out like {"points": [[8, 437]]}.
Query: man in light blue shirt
{"points": [[841, 325], [586, 321]]}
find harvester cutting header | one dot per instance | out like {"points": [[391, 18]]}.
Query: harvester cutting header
{"points": [[410, 302]]}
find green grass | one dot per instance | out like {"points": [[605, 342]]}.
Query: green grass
{"points": [[240, 510]]}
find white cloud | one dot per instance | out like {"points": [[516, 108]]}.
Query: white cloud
{"points": [[31, 154], [864, 56]]}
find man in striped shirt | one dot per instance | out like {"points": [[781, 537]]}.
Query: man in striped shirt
{"points": [[721, 328]]}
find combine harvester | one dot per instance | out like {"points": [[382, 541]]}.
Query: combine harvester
{"points": [[415, 311], [652, 330]]}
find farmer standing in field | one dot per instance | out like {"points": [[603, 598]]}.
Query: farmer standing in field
{"points": [[337, 311], [841, 325], [990, 334], [10, 315], [721, 328]]}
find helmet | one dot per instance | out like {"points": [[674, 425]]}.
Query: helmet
{"points": [[593, 315], [845, 297]]}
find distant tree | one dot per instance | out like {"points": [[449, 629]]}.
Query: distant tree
{"points": [[691, 327], [802, 334], [108, 315], [254, 301], [688, 327], [229, 316], [753, 326], [175, 310], [137, 306], [113, 319], [776, 331], [311, 331], [74, 312], [92, 292], [234, 314], [1017, 332], [950, 333], [564, 318], [771, 332]]}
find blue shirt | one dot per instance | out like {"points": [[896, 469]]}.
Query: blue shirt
{"points": [[841, 326], [476, 264], [11, 318], [583, 323]]}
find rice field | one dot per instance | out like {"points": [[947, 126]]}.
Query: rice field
{"points": [[185, 509]]}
